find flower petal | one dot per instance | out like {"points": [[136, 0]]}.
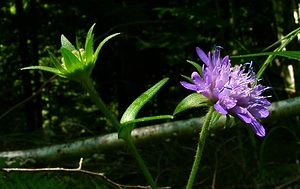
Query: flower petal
{"points": [[258, 128], [259, 112], [189, 86], [225, 60], [202, 55], [197, 78], [243, 114], [220, 108]]}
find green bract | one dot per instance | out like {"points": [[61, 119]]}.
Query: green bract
{"points": [[76, 64]]}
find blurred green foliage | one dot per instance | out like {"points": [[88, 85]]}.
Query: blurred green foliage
{"points": [[157, 37]]}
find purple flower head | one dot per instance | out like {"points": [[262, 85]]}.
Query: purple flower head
{"points": [[233, 90]]}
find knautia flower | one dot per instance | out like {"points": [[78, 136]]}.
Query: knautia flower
{"points": [[233, 90]]}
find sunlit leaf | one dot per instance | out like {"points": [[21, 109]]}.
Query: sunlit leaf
{"points": [[194, 100], [56, 63], [71, 61], [44, 68], [102, 43], [196, 65], [127, 120], [152, 118], [89, 45], [65, 43], [132, 111]]}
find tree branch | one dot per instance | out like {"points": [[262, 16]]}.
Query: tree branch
{"points": [[278, 110]]}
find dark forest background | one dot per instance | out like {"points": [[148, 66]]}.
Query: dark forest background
{"points": [[39, 109]]}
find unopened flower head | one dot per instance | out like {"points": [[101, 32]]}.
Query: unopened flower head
{"points": [[76, 63], [233, 90]]}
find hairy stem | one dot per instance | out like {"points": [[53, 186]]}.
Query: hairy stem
{"points": [[87, 83], [141, 163], [201, 143], [101, 105]]}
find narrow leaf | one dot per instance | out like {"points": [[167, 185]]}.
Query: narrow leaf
{"points": [[196, 65], [152, 118], [65, 43], [102, 43], [71, 61], [56, 63], [194, 100], [287, 54], [89, 45], [214, 118], [44, 68], [132, 111], [187, 78], [127, 127]]}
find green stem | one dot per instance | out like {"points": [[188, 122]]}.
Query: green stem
{"points": [[141, 163], [87, 83], [201, 142]]}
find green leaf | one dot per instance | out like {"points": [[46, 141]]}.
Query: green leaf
{"points": [[187, 78], [194, 100], [277, 52], [214, 118], [56, 63], [229, 121], [127, 127], [152, 118], [89, 45], [71, 61], [196, 65], [101, 44], [125, 131], [44, 68], [65, 43], [127, 120], [287, 54], [132, 111]]}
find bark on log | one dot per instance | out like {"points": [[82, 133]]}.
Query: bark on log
{"points": [[80, 148]]}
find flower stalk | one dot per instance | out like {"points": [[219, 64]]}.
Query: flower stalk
{"points": [[87, 84], [140, 162], [201, 142], [77, 65]]}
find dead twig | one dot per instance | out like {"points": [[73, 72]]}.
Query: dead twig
{"points": [[78, 169]]}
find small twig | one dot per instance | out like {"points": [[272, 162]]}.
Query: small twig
{"points": [[29, 98], [289, 183], [78, 169]]}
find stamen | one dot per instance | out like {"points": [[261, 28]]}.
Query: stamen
{"points": [[226, 87], [218, 47]]}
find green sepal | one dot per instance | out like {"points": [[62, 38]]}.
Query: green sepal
{"points": [[65, 43], [230, 121], [132, 111], [44, 68], [187, 78], [194, 100], [71, 61], [89, 45], [196, 65], [101, 44], [56, 63], [214, 118]]}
